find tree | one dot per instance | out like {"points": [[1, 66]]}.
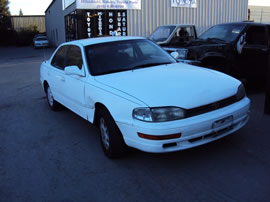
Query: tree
{"points": [[20, 12], [4, 9]]}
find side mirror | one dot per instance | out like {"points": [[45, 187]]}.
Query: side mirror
{"points": [[175, 55], [74, 70], [241, 43]]}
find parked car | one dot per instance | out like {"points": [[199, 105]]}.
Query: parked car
{"points": [[173, 37], [41, 41], [38, 35], [238, 49], [139, 96]]}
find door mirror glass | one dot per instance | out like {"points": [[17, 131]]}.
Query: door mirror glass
{"points": [[73, 70]]}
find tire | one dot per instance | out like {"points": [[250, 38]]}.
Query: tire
{"points": [[111, 138], [54, 105]]}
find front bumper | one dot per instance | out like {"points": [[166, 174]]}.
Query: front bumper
{"points": [[195, 130]]}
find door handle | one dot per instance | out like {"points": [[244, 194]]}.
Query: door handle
{"points": [[63, 79]]}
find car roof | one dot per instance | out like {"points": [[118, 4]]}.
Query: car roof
{"points": [[178, 25], [243, 23], [98, 40]]}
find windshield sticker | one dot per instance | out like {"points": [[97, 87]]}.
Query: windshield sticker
{"points": [[236, 31]]}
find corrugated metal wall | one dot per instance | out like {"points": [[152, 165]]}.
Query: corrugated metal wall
{"points": [[260, 14], [208, 13], [22, 22]]}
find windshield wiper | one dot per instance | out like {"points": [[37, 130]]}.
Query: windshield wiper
{"points": [[149, 65], [214, 39]]}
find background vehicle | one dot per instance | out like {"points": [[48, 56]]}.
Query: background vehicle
{"points": [[238, 49], [41, 41], [173, 37], [139, 96]]}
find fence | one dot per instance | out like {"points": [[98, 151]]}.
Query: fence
{"points": [[22, 22], [259, 14]]}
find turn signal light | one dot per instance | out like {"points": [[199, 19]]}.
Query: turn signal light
{"points": [[159, 137]]}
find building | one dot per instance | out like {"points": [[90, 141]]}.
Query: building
{"points": [[259, 14], [23, 22], [75, 19]]}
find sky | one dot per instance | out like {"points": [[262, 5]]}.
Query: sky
{"points": [[259, 2], [29, 7], [38, 7]]}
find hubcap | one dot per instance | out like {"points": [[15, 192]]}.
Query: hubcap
{"points": [[50, 96], [104, 133]]}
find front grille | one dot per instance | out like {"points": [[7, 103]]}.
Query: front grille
{"points": [[212, 135], [211, 107]]}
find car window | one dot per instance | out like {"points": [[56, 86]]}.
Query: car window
{"points": [[74, 57], [223, 32], [183, 34], [58, 60], [162, 33], [125, 55], [256, 35], [41, 39], [148, 50]]}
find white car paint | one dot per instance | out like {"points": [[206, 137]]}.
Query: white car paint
{"points": [[176, 84], [180, 82]]}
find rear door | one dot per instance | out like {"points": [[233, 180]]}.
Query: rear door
{"points": [[56, 75]]}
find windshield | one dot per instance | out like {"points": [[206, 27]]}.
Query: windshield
{"points": [[41, 38], [225, 32], [125, 55], [162, 33]]}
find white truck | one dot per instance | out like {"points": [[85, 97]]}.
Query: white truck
{"points": [[174, 37]]}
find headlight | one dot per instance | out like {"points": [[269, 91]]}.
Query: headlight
{"points": [[241, 93], [158, 114], [182, 53]]}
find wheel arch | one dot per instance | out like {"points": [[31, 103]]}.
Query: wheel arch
{"points": [[98, 106], [45, 86]]}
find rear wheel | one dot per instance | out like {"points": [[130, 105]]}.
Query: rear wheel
{"points": [[111, 138], [54, 105]]}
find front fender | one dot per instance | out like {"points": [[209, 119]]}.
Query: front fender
{"points": [[119, 104]]}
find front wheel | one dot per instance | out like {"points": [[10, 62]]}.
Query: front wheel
{"points": [[111, 138]]}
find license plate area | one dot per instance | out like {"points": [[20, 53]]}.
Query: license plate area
{"points": [[222, 124]]}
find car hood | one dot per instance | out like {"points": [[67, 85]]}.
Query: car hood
{"points": [[176, 84]]}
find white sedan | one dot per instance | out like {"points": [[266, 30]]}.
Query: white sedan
{"points": [[41, 41], [139, 96]]}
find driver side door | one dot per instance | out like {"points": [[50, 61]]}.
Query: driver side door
{"points": [[75, 84], [254, 57]]}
